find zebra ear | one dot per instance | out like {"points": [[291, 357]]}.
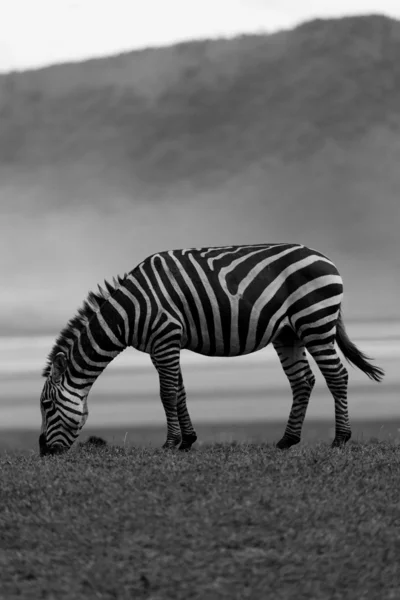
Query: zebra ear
{"points": [[58, 367]]}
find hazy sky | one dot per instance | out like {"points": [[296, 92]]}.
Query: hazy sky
{"points": [[38, 32]]}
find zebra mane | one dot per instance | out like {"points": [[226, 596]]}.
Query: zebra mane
{"points": [[75, 326]]}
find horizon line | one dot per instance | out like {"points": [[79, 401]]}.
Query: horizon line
{"points": [[261, 31]]}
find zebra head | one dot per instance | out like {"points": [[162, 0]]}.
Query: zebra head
{"points": [[63, 408]]}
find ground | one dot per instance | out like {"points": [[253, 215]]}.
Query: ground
{"points": [[226, 520]]}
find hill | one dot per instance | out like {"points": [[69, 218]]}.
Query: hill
{"points": [[290, 136]]}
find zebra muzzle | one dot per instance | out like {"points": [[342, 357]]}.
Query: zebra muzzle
{"points": [[46, 450]]}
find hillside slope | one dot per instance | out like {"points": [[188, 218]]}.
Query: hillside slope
{"points": [[293, 136]]}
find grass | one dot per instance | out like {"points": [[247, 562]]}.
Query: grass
{"points": [[227, 520], [383, 429]]}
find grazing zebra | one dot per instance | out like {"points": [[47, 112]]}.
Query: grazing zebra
{"points": [[223, 301]]}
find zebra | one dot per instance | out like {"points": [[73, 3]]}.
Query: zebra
{"points": [[216, 301]]}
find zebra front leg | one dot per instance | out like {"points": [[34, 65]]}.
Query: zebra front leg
{"points": [[168, 371], [188, 433], [297, 369]]}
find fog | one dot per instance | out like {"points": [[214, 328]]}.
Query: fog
{"points": [[241, 141]]}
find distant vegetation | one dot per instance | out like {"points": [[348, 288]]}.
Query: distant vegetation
{"points": [[289, 136], [201, 111]]}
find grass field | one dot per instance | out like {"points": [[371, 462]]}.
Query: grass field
{"points": [[227, 520], [256, 431], [234, 518]]}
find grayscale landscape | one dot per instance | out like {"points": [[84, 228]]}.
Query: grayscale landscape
{"points": [[292, 136]]}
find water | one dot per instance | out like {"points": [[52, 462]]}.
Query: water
{"points": [[247, 388]]}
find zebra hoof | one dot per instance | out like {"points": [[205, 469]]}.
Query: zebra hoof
{"points": [[287, 441], [187, 441], [171, 444], [341, 440]]}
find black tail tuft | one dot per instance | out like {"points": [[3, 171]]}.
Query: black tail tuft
{"points": [[354, 355]]}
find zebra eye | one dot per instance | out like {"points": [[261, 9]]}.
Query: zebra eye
{"points": [[47, 403]]}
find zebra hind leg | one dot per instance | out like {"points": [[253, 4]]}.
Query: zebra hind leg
{"points": [[292, 354], [188, 433], [336, 377]]}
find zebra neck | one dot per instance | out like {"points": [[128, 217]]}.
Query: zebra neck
{"points": [[98, 344]]}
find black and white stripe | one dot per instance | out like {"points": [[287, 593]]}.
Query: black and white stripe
{"points": [[224, 301]]}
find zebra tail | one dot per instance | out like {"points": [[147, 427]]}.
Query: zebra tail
{"points": [[353, 354]]}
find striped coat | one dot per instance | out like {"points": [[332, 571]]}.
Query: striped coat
{"points": [[224, 301]]}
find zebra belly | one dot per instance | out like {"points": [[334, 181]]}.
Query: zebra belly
{"points": [[235, 334]]}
